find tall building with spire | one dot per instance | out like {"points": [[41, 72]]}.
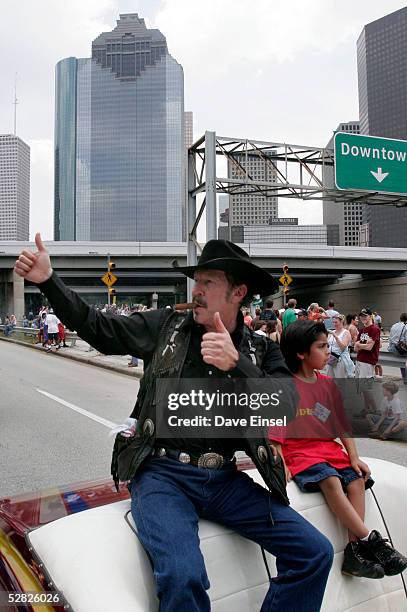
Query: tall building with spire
{"points": [[119, 139]]}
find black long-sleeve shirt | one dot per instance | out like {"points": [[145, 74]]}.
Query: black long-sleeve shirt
{"points": [[138, 335]]}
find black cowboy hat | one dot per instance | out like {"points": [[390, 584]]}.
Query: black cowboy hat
{"points": [[226, 256]]}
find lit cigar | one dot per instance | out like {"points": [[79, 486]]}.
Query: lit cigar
{"points": [[184, 306]]}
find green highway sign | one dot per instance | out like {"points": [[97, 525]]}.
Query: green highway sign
{"points": [[370, 163]]}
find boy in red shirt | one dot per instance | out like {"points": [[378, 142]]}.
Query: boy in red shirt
{"points": [[317, 462]]}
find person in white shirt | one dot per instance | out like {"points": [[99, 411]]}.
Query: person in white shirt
{"points": [[340, 364], [52, 322], [391, 414], [398, 332], [330, 314]]}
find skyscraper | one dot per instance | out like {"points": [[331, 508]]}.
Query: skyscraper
{"points": [[119, 139], [251, 208], [346, 215], [14, 188], [189, 128], [382, 81]]}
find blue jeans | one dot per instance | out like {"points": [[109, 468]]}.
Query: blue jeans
{"points": [[8, 330], [168, 497]]}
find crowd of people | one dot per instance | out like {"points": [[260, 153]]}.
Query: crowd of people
{"points": [[52, 332], [354, 342]]}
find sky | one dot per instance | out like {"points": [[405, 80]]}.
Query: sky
{"points": [[274, 70]]}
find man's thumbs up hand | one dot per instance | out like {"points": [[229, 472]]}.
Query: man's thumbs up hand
{"points": [[220, 328], [39, 243], [35, 267], [217, 347]]}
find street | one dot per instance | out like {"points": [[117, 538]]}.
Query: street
{"points": [[44, 442]]}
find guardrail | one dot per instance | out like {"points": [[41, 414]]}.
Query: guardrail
{"points": [[393, 360], [30, 334]]}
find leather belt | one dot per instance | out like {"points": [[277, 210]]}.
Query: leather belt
{"points": [[211, 461]]}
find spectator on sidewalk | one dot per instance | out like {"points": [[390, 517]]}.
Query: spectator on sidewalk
{"points": [[351, 326], [289, 315], [61, 335], [330, 314], [10, 324], [247, 318], [340, 364], [377, 320], [43, 333], [392, 417], [52, 324], [259, 327], [268, 312], [398, 334], [316, 313], [302, 315], [367, 348], [273, 332]]}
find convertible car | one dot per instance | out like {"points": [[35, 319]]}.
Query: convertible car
{"points": [[76, 548]]}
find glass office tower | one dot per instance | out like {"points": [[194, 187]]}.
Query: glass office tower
{"points": [[119, 139], [382, 83]]}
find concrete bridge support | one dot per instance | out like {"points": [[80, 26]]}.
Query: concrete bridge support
{"points": [[11, 294], [386, 296]]}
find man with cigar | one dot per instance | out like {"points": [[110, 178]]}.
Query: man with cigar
{"points": [[174, 481]]}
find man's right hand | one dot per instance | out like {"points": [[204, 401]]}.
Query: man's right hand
{"points": [[35, 267]]}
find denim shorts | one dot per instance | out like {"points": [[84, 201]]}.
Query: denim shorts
{"points": [[387, 421], [308, 480]]}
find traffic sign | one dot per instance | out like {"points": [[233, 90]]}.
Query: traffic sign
{"points": [[109, 279], [285, 279], [370, 163]]}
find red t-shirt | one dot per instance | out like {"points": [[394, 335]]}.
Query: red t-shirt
{"points": [[310, 438], [372, 332]]}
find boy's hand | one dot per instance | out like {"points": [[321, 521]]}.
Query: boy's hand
{"points": [[276, 450], [361, 468]]}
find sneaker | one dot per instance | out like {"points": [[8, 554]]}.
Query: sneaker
{"points": [[389, 558], [357, 563]]}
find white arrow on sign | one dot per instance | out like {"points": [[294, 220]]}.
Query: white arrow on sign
{"points": [[379, 175]]}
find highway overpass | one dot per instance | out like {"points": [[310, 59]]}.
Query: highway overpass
{"points": [[361, 274]]}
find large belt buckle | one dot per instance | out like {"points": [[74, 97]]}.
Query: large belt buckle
{"points": [[211, 461]]}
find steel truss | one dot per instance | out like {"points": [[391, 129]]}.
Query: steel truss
{"points": [[300, 172]]}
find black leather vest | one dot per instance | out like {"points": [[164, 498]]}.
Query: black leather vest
{"points": [[167, 362]]}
